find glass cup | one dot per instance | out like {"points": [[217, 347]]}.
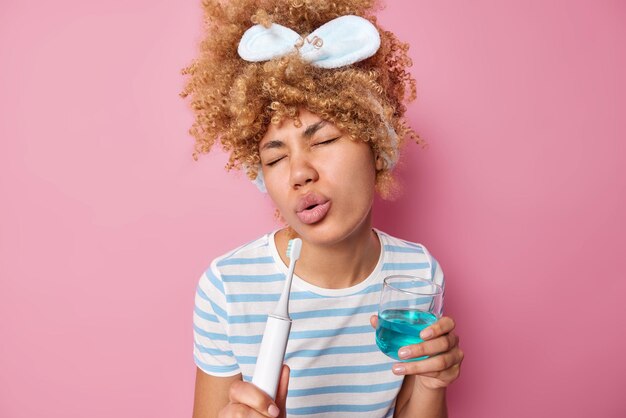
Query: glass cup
{"points": [[408, 304]]}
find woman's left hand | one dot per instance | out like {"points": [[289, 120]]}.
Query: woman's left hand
{"points": [[442, 345]]}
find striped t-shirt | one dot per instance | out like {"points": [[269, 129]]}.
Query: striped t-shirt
{"points": [[336, 368]]}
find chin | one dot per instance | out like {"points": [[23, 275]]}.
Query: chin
{"points": [[329, 233]]}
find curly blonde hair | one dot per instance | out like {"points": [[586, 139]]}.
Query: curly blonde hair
{"points": [[235, 100]]}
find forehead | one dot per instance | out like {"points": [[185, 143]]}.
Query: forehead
{"points": [[288, 126]]}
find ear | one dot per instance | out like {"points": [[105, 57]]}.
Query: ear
{"points": [[380, 162]]}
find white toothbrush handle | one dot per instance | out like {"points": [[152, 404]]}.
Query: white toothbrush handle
{"points": [[272, 354]]}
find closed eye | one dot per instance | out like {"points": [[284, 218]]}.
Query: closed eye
{"points": [[271, 163], [329, 141]]}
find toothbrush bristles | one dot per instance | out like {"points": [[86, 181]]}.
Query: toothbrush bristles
{"points": [[293, 248]]}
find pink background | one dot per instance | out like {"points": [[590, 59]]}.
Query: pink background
{"points": [[106, 222]]}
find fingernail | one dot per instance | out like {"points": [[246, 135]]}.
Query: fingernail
{"points": [[273, 410], [404, 352], [427, 333], [399, 369]]}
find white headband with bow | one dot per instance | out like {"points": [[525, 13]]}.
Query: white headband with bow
{"points": [[339, 42]]}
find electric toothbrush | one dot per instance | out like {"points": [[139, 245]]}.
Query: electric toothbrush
{"points": [[274, 343]]}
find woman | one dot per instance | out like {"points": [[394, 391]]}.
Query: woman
{"points": [[311, 106]]}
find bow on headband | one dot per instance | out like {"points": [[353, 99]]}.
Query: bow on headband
{"points": [[339, 42]]}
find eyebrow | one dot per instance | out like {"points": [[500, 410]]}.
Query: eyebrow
{"points": [[310, 130], [273, 144], [308, 133]]}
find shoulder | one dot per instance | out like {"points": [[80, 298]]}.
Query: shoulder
{"points": [[248, 260], [393, 244], [403, 255], [245, 254]]}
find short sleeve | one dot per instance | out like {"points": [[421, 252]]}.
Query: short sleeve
{"points": [[437, 273], [212, 352]]}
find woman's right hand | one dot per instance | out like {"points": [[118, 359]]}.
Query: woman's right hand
{"points": [[247, 400]]}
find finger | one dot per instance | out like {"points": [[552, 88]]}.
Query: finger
{"points": [[430, 348], [248, 394], [239, 410], [444, 325], [447, 375], [281, 393], [456, 367], [374, 321], [433, 364]]}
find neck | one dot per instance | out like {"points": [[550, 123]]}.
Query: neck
{"points": [[338, 265]]}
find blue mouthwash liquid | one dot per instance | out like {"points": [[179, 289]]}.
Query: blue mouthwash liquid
{"points": [[400, 327]]}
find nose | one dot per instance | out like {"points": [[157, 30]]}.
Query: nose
{"points": [[302, 171]]}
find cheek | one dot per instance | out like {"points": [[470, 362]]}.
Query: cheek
{"points": [[355, 176], [275, 179], [277, 186], [358, 166]]}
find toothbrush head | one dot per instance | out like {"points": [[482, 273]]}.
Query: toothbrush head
{"points": [[293, 249]]}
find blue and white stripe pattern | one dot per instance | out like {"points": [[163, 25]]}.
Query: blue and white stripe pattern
{"points": [[336, 367]]}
